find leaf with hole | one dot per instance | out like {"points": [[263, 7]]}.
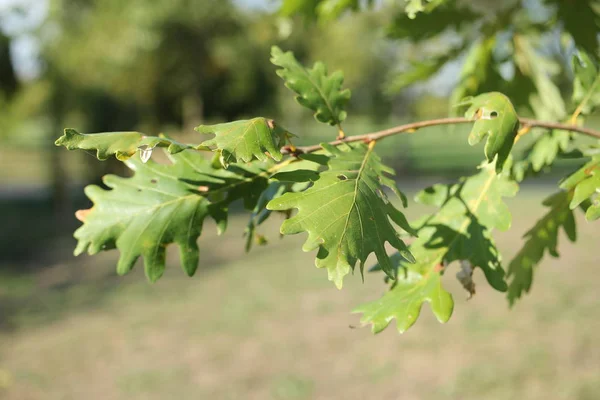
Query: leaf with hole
{"points": [[496, 118], [346, 213]]}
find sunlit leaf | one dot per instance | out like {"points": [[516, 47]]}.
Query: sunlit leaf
{"points": [[585, 184], [246, 140], [458, 231], [315, 89], [346, 213], [162, 204], [122, 145], [404, 302], [496, 118], [296, 176]]}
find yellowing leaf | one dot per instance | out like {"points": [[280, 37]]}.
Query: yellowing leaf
{"points": [[458, 231], [404, 301]]}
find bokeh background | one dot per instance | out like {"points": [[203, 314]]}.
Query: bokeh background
{"points": [[263, 325]]}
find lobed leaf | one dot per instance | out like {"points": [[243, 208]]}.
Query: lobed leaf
{"points": [[541, 238], [122, 145], [295, 176], [585, 185], [346, 213], [403, 302], [314, 88], [586, 97], [495, 117], [162, 204], [246, 140], [458, 231]]}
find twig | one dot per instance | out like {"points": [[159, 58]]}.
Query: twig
{"points": [[414, 126]]}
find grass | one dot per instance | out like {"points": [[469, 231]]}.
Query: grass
{"points": [[270, 326]]}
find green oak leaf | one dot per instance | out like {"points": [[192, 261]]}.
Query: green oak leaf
{"points": [[346, 213], [495, 117], [293, 177], [548, 147], [314, 88], [413, 7], [122, 145], [257, 138], [541, 238], [546, 100], [404, 301], [162, 204], [586, 97], [586, 84], [458, 231], [585, 184]]}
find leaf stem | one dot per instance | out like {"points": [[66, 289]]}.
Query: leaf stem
{"points": [[414, 126], [587, 97], [341, 134]]}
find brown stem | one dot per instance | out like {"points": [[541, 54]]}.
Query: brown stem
{"points": [[409, 128]]}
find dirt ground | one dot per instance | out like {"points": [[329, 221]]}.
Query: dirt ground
{"points": [[269, 325]]}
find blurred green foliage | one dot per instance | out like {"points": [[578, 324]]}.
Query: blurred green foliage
{"points": [[169, 65]]}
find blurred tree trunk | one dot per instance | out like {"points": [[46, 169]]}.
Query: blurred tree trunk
{"points": [[8, 78]]}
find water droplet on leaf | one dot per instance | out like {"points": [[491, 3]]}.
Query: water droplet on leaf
{"points": [[145, 153]]}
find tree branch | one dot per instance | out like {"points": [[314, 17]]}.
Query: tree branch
{"points": [[412, 127]]}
